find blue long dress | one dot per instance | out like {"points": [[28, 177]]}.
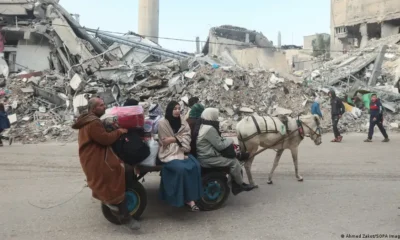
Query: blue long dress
{"points": [[181, 181]]}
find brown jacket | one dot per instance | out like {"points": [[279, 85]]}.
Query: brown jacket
{"points": [[103, 169]]}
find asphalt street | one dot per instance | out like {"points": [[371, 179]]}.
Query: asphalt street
{"points": [[349, 188]]}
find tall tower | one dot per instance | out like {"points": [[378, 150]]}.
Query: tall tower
{"points": [[149, 19], [279, 39]]}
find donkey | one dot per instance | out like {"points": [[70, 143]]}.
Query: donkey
{"points": [[268, 132]]}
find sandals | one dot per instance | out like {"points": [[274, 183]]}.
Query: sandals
{"points": [[193, 208]]}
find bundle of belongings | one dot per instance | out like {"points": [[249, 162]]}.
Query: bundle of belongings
{"points": [[135, 146]]}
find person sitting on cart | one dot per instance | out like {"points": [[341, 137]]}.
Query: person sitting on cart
{"points": [[105, 172], [194, 118], [194, 115], [181, 173], [213, 150], [191, 102]]}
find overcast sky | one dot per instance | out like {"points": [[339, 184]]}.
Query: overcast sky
{"points": [[186, 19]]}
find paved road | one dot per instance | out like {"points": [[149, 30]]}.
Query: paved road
{"points": [[348, 188]]}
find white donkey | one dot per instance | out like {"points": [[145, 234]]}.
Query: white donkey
{"points": [[268, 132]]}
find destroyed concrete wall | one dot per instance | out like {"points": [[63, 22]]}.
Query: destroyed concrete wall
{"points": [[218, 44], [347, 15], [32, 55], [308, 40], [389, 29], [263, 58], [248, 49], [353, 12], [132, 55], [370, 11]]}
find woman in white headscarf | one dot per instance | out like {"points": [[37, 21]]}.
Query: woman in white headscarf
{"points": [[213, 150]]}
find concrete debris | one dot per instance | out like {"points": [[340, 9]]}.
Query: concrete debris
{"points": [[44, 95], [355, 76]]}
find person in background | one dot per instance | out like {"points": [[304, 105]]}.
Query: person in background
{"points": [[131, 102], [181, 173], [106, 174], [194, 117], [210, 147], [376, 118], [315, 109], [4, 123], [192, 101], [155, 114], [195, 114], [337, 110]]}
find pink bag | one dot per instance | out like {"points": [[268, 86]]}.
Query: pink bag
{"points": [[129, 117]]}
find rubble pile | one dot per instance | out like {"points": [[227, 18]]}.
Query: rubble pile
{"points": [[45, 93], [355, 75], [236, 92], [46, 103]]}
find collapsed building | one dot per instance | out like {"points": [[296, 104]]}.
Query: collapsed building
{"points": [[355, 22], [50, 66], [244, 48], [357, 74]]}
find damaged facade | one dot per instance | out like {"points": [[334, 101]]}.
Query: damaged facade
{"points": [[244, 48], [355, 22]]}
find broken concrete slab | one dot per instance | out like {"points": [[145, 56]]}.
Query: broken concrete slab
{"points": [[190, 75], [246, 110], [229, 111], [13, 118], [75, 82], [390, 106], [229, 82], [27, 90], [281, 111], [79, 101]]}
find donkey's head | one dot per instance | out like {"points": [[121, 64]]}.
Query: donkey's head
{"points": [[312, 128]]}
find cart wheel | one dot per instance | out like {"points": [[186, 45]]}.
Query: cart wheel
{"points": [[136, 198], [216, 191]]}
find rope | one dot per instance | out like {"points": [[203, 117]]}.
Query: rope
{"points": [[59, 204]]}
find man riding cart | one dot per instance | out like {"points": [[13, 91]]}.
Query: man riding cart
{"points": [[115, 183], [104, 171]]}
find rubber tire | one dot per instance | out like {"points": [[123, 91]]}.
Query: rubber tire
{"points": [[141, 191], [220, 176]]}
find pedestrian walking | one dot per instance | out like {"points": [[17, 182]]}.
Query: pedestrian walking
{"points": [[337, 110], [376, 118], [315, 108]]}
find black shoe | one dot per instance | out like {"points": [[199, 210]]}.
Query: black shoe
{"points": [[236, 188], [243, 156]]}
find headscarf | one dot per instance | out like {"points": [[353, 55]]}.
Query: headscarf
{"points": [[131, 102], [174, 122], [208, 117], [155, 111], [210, 114], [196, 111]]}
